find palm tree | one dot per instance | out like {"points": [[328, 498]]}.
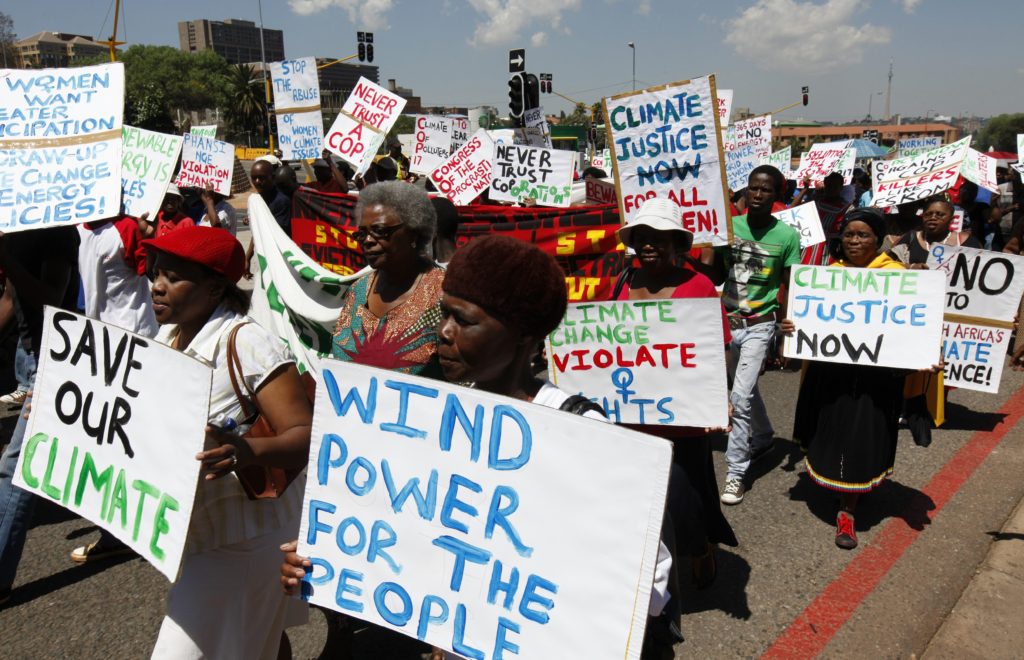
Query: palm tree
{"points": [[247, 109]]}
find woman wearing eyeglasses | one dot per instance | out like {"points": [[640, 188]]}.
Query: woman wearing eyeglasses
{"points": [[389, 317]]}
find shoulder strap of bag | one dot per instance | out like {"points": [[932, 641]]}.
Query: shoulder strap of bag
{"points": [[625, 276], [235, 373]]}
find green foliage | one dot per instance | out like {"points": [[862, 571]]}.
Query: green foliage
{"points": [[580, 116], [1000, 132], [7, 39], [246, 111]]}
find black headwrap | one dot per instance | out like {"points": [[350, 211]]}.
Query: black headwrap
{"points": [[869, 215]]}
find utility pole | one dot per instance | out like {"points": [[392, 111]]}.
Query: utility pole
{"points": [[888, 95], [266, 82]]}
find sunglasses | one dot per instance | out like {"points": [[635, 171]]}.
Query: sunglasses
{"points": [[379, 232]]}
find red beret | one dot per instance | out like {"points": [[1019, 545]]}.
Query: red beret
{"points": [[514, 281], [212, 247]]}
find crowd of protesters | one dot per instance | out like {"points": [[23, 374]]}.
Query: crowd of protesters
{"points": [[473, 315]]}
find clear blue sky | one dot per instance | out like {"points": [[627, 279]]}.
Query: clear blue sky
{"points": [[951, 58]]}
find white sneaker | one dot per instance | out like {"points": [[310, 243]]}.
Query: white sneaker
{"points": [[11, 403], [733, 493]]}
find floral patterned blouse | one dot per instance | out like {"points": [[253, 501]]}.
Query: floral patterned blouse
{"points": [[404, 339]]}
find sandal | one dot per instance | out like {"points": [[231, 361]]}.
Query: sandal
{"points": [[93, 552]]}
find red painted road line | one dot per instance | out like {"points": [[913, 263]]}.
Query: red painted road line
{"points": [[810, 632]]}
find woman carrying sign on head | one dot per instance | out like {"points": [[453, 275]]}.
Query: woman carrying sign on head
{"points": [[501, 298], [219, 608], [657, 236], [847, 415], [913, 248]]}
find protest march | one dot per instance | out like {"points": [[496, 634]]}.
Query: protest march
{"points": [[472, 385]]}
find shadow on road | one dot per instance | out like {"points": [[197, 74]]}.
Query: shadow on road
{"points": [[890, 500], [961, 418], [728, 594], [74, 574], [1006, 536], [50, 513]]}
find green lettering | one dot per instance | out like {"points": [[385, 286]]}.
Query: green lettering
{"points": [[144, 489], [119, 500], [604, 334], [642, 306], [47, 486], [160, 525], [70, 477], [665, 311], [99, 480], [608, 312], [26, 465], [641, 334], [908, 283]]}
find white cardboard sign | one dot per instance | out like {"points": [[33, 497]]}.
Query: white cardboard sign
{"points": [[101, 440], [544, 175], [205, 161], [60, 145], [910, 179], [433, 143], [147, 165], [821, 160], [804, 219], [467, 173], [600, 191], [470, 521], [655, 362], [914, 146], [368, 114], [870, 316], [980, 169], [724, 106], [781, 160], [300, 126], [667, 144]]}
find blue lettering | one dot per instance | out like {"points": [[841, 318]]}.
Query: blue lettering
{"points": [[425, 503], [497, 515], [494, 449], [453, 411], [365, 408], [397, 619], [453, 503], [404, 389], [324, 462], [463, 552]]}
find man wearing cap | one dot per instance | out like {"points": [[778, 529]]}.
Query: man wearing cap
{"points": [[329, 178], [401, 160], [754, 267], [168, 218]]}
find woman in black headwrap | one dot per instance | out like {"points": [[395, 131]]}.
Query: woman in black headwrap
{"points": [[847, 415]]}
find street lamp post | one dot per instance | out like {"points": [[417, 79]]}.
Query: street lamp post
{"points": [[632, 47], [266, 79], [871, 97]]}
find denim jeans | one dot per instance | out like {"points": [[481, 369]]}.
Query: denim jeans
{"points": [[16, 506], [24, 367], [751, 427]]}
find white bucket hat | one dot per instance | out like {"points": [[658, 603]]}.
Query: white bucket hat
{"points": [[656, 213], [173, 190]]}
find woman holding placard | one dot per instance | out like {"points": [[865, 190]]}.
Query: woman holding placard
{"points": [[218, 607], [847, 415], [657, 236], [913, 248]]}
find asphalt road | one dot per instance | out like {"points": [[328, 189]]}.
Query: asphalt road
{"points": [[786, 557]]}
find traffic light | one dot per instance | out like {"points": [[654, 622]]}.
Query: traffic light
{"points": [[362, 52], [532, 92], [365, 40], [516, 90], [545, 83], [806, 92], [369, 52]]}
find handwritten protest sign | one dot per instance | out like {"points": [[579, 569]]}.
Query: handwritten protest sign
{"points": [[147, 164], [460, 132], [983, 289], [600, 191], [957, 223], [60, 145], [804, 219], [1020, 147], [300, 125], [100, 441], [368, 114], [747, 144], [208, 130], [467, 173], [821, 160], [877, 317], [535, 118], [205, 161], [846, 164], [602, 160], [910, 179], [433, 143], [645, 362], [724, 106], [781, 160], [544, 175], [471, 521], [914, 146], [667, 144], [980, 169]]}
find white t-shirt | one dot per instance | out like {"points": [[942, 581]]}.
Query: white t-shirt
{"points": [[111, 264], [226, 215]]}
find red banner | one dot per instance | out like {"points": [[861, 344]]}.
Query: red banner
{"points": [[581, 238]]}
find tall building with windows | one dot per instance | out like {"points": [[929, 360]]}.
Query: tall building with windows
{"points": [[235, 40]]}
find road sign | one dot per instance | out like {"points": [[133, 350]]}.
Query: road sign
{"points": [[870, 135], [517, 60]]}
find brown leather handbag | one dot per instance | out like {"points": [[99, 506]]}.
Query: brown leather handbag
{"points": [[257, 481]]}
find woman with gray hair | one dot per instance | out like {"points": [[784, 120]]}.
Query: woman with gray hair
{"points": [[389, 316]]}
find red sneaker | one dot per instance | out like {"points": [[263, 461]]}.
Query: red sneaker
{"points": [[846, 536]]}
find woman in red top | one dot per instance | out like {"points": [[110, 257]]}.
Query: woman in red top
{"points": [[657, 236], [168, 218]]}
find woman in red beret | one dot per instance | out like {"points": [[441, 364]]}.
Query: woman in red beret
{"points": [[217, 608]]}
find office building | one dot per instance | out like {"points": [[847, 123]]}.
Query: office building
{"points": [[55, 49], [235, 40]]}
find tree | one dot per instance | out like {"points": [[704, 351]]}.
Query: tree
{"points": [[246, 109], [1000, 132], [580, 116], [7, 38]]}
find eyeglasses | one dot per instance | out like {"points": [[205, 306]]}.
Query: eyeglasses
{"points": [[862, 235], [379, 232]]}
